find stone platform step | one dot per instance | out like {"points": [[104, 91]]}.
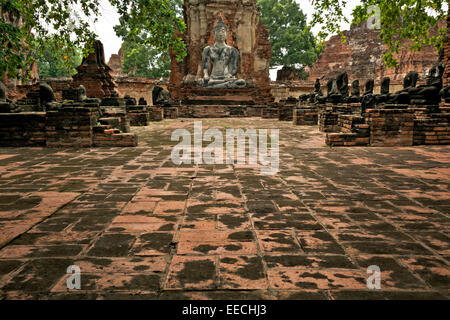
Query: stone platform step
{"points": [[346, 139], [113, 139], [220, 111], [105, 129], [209, 100], [221, 92], [113, 122]]}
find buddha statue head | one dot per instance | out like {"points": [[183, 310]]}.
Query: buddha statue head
{"points": [[220, 31]]}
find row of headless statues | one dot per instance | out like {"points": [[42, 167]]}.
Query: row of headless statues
{"points": [[430, 93]]}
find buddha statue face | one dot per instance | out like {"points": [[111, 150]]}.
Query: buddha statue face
{"points": [[220, 35]]}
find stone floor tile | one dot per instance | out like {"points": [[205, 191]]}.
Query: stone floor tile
{"points": [[187, 272], [289, 261], [316, 279], [433, 271], [112, 245], [318, 242], [278, 241], [242, 272], [154, 243], [393, 275]]}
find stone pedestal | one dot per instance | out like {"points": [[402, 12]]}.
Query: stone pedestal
{"points": [[138, 115], [328, 121], [431, 124], [390, 127], [170, 112], [287, 109], [123, 123], [218, 103], [156, 113]]}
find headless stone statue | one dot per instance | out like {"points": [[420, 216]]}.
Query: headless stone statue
{"points": [[368, 100], [47, 97], [342, 83], [160, 97], [338, 88], [368, 87], [77, 94], [445, 94], [428, 93], [385, 84], [355, 93], [402, 96], [384, 91], [331, 87], [317, 87], [142, 101], [46, 94], [305, 97], [313, 98], [224, 60], [355, 89], [129, 101]]}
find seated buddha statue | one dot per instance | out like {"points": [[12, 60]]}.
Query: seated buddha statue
{"points": [[220, 61]]}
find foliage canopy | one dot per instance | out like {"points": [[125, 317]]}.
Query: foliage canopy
{"points": [[54, 61], [399, 19], [292, 42], [26, 25]]}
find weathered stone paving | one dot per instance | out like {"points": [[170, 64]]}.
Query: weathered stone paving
{"points": [[140, 227]]}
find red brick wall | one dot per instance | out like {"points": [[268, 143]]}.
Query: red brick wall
{"points": [[447, 54]]}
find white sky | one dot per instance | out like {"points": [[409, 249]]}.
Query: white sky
{"points": [[110, 17]]}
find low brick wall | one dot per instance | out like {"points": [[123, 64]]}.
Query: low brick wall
{"points": [[305, 116], [391, 127], [170, 112], [432, 131], [71, 127], [270, 112], [282, 90], [22, 129], [286, 113], [138, 87]]}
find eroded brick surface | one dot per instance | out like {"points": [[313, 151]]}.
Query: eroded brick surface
{"points": [[141, 227]]}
